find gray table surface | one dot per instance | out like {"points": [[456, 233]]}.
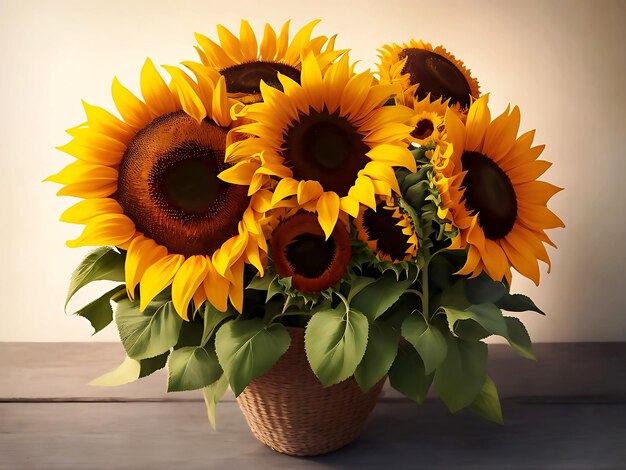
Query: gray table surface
{"points": [[566, 411]]}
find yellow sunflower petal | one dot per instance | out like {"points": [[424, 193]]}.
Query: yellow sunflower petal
{"points": [[142, 253], [188, 278], [155, 91], [216, 288], [158, 276], [478, 119], [235, 291], [267, 49], [104, 230], [328, 212], [87, 209], [393, 155], [248, 41], [240, 173], [133, 110], [309, 191]]}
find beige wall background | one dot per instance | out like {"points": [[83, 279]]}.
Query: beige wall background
{"points": [[562, 62]]}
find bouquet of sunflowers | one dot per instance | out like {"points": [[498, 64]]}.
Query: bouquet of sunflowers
{"points": [[271, 187]]}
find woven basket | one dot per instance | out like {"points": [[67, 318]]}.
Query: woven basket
{"points": [[290, 411]]}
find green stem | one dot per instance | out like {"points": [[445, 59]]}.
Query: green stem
{"points": [[425, 295]]}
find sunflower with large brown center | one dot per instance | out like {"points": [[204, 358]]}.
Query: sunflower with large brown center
{"points": [[301, 250], [149, 184], [387, 231], [428, 72], [489, 188], [328, 144], [244, 62]]}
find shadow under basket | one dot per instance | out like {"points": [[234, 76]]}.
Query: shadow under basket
{"points": [[290, 411]]}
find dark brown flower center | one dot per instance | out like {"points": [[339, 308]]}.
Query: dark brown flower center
{"points": [[169, 188], [246, 78], [436, 75], [326, 148], [301, 251], [380, 225], [423, 129], [310, 255], [489, 193]]}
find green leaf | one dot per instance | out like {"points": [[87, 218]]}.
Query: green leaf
{"points": [[99, 312], [486, 315], [191, 368], [335, 342], [518, 303], [152, 364], [518, 338], [382, 347], [427, 340], [274, 288], [484, 290], [150, 333], [377, 297], [487, 403], [261, 283], [469, 330], [357, 285], [248, 349], [462, 374], [408, 376], [212, 394], [104, 263], [129, 371], [455, 297], [191, 333], [212, 319]]}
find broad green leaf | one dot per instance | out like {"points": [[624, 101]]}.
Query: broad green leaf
{"points": [[191, 368], [455, 297], [335, 342], [518, 338], [377, 297], [99, 312], [357, 285], [129, 371], [407, 374], [382, 347], [427, 340], [212, 319], [103, 263], [152, 364], [150, 333], [469, 330], [484, 290], [191, 333], [487, 403], [462, 374], [518, 303], [249, 348], [212, 394], [486, 315]]}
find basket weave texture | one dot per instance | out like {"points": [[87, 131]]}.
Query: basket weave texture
{"points": [[290, 411]]}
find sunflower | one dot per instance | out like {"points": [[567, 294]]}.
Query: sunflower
{"points": [[388, 231], [301, 250], [489, 188], [432, 72], [328, 144], [427, 122], [149, 186], [244, 62]]}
